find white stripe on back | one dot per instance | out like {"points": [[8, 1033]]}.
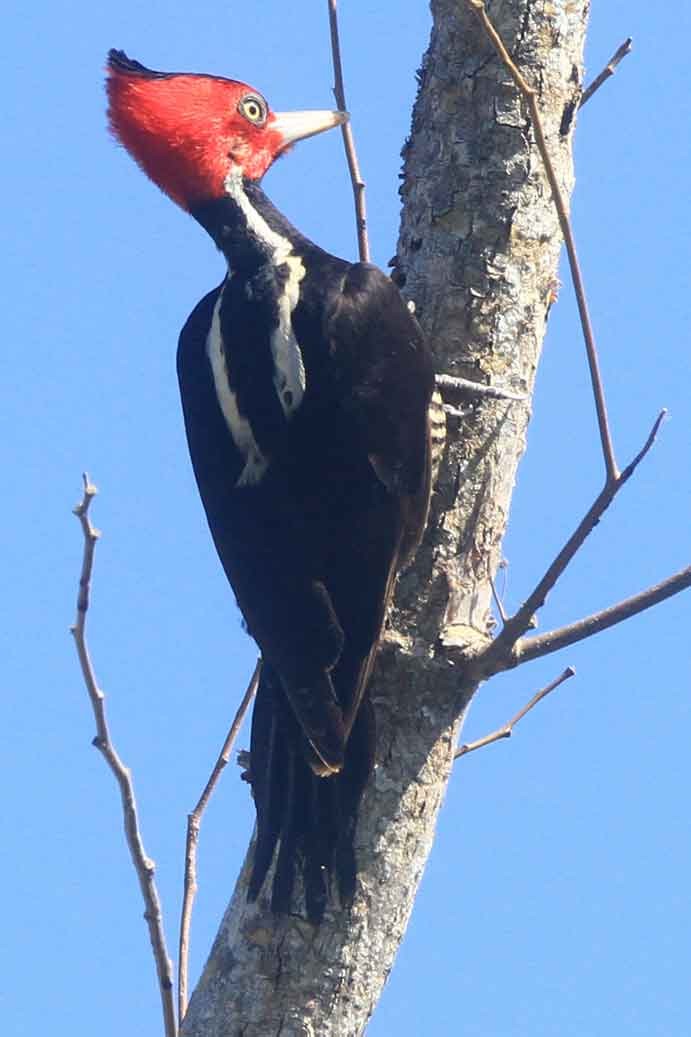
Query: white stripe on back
{"points": [[239, 427]]}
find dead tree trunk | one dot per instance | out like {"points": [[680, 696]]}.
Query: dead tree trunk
{"points": [[477, 253]]}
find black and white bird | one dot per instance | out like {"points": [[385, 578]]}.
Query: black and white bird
{"points": [[305, 385]]}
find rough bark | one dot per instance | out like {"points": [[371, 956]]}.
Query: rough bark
{"points": [[478, 252]]}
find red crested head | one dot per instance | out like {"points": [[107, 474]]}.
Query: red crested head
{"points": [[190, 132]]}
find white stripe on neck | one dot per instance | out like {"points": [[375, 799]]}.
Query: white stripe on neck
{"points": [[256, 223], [238, 426], [289, 369]]}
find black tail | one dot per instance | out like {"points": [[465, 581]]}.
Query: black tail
{"points": [[310, 819]]}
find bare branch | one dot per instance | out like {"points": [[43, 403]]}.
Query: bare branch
{"points": [[193, 825], [609, 70], [507, 649], [349, 140], [507, 730], [143, 864], [449, 384], [501, 652], [544, 644], [652, 436], [593, 362]]}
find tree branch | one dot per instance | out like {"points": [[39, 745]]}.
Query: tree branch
{"points": [[507, 730], [609, 70], [506, 649], [348, 139], [544, 644], [193, 825], [143, 864], [500, 653], [530, 95]]}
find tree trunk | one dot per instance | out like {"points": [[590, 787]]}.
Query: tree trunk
{"points": [[478, 251]]}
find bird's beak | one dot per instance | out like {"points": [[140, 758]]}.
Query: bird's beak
{"points": [[294, 126]]}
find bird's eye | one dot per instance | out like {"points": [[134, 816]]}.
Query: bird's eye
{"points": [[254, 109]]}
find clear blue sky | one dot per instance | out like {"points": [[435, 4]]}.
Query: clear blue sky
{"points": [[556, 900]]}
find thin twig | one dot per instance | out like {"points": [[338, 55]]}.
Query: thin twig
{"points": [[609, 70], [500, 652], [478, 7], [497, 601], [348, 139], [449, 384], [507, 730], [544, 644], [652, 436], [143, 864], [193, 825]]}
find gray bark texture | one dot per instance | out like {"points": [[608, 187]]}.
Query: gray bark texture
{"points": [[478, 251]]}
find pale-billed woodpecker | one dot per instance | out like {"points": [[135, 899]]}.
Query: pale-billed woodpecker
{"points": [[305, 384]]}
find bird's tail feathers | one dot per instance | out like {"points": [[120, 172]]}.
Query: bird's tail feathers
{"points": [[309, 819]]}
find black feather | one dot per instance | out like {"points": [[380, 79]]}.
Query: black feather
{"points": [[119, 62]]}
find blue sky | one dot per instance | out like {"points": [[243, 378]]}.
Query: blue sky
{"points": [[556, 898]]}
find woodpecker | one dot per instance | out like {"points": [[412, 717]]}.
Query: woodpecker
{"points": [[305, 384]]}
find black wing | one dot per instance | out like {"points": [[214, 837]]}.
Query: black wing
{"points": [[386, 378], [366, 449]]}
